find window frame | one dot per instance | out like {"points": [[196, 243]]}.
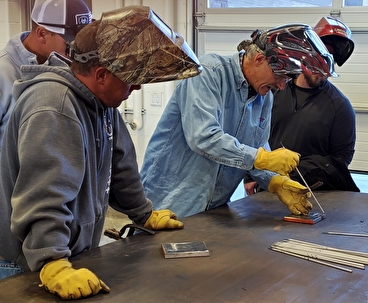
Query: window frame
{"points": [[233, 18]]}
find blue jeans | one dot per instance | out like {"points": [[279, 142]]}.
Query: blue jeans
{"points": [[8, 269]]}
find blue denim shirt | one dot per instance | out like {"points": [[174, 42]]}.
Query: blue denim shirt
{"points": [[207, 139]]}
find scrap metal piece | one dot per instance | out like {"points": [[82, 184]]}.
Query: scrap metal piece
{"points": [[312, 218]]}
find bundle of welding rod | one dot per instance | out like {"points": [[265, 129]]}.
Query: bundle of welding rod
{"points": [[321, 254]]}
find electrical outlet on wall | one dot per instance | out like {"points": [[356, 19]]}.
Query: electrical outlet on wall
{"points": [[156, 99]]}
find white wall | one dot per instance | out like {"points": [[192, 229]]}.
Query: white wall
{"points": [[360, 160], [10, 20]]}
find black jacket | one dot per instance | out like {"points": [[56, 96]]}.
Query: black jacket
{"points": [[319, 124]]}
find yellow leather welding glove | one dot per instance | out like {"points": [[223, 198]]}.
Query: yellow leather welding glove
{"points": [[291, 193], [281, 160], [60, 278], [163, 219]]}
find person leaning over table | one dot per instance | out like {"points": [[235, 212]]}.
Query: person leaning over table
{"points": [[54, 23], [214, 126], [325, 136], [67, 153]]}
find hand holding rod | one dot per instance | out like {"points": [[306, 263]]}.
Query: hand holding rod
{"points": [[309, 189], [314, 197]]}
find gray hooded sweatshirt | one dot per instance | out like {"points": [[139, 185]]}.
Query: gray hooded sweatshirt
{"points": [[65, 158]]}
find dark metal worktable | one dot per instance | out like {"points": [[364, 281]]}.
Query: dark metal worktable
{"points": [[241, 267]]}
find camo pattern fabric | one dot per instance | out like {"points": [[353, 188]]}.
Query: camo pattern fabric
{"points": [[138, 47]]}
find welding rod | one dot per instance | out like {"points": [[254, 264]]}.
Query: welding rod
{"points": [[317, 253], [313, 260], [321, 256], [324, 254], [344, 234], [314, 197], [309, 189], [299, 242]]}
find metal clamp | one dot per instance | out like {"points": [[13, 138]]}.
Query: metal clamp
{"points": [[126, 231]]}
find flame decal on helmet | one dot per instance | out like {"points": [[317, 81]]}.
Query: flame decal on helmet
{"points": [[293, 48]]}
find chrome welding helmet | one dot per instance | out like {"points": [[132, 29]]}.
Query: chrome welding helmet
{"points": [[294, 48], [135, 45], [337, 38]]}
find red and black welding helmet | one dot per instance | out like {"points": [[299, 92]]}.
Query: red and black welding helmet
{"points": [[337, 38], [294, 48]]}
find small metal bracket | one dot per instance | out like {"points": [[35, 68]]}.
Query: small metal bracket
{"points": [[131, 111], [199, 15], [134, 125], [335, 13], [199, 18]]}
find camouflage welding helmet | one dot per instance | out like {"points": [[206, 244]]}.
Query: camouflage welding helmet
{"points": [[138, 47], [294, 48]]}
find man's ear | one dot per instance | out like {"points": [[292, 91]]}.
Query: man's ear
{"points": [[259, 59], [41, 34], [101, 74]]}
